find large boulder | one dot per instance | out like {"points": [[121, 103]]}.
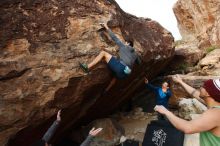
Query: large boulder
{"points": [[198, 21], [41, 44], [210, 64], [187, 55]]}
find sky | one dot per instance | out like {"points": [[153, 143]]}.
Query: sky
{"points": [[158, 10]]}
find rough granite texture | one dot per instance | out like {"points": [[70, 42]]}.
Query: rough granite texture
{"points": [[42, 42], [199, 21]]}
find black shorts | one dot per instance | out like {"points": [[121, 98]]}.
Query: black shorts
{"points": [[117, 67]]}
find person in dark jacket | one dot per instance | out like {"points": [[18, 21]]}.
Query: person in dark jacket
{"points": [[44, 141], [163, 93], [92, 133], [122, 66]]}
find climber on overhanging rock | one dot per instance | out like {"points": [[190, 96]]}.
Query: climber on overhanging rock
{"points": [[122, 66], [50, 132], [208, 124], [163, 94], [92, 133]]}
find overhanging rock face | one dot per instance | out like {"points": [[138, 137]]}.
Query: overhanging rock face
{"points": [[41, 44]]}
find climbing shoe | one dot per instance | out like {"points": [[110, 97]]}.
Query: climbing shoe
{"points": [[84, 67]]}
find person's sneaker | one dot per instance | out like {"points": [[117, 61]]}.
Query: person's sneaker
{"points": [[84, 67]]}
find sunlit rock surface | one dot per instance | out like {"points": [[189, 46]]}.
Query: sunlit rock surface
{"points": [[199, 21], [188, 108], [210, 64]]}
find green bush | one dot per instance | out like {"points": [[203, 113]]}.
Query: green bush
{"points": [[178, 42], [183, 66], [210, 49]]}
